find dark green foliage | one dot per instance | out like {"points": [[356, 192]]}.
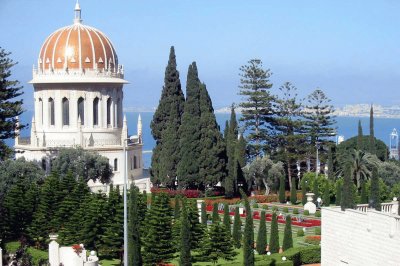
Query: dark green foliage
{"points": [[185, 258], [372, 148], [331, 171], [375, 198], [262, 235], [12, 171], [113, 236], [86, 164], [165, 125], [363, 192], [237, 231], [287, 237], [381, 150], [240, 154], [48, 198], [304, 190], [231, 141], [196, 228], [282, 197], [135, 221], [203, 213], [300, 232], [227, 219], [248, 235], [315, 190], [257, 106], [326, 198], [339, 188], [274, 239], [190, 133], [177, 207], [215, 215], [293, 192], [217, 245], [158, 246], [10, 108], [319, 121], [360, 136], [303, 255], [213, 153], [347, 196]]}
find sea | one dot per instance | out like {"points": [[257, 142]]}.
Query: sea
{"points": [[346, 127]]}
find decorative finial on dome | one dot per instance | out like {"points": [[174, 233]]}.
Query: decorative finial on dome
{"points": [[77, 10]]}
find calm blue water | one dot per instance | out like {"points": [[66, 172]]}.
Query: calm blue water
{"points": [[346, 126]]}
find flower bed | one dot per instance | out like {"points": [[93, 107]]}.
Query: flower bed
{"points": [[188, 193], [314, 240]]}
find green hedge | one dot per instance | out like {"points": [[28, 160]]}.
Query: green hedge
{"points": [[303, 255]]}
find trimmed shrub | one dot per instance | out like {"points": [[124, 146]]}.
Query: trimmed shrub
{"points": [[317, 231], [306, 212], [295, 211], [303, 255], [265, 207], [317, 214], [300, 232], [255, 205], [285, 210], [274, 209], [314, 240]]}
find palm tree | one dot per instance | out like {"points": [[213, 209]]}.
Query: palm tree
{"points": [[361, 164]]}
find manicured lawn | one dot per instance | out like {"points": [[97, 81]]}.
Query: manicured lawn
{"points": [[113, 262]]}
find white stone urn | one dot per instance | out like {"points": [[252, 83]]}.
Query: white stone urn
{"points": [[310, 206]]}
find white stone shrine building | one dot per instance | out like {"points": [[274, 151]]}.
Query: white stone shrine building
{"points": [[78, 94]]}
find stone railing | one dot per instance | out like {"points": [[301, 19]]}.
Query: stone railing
{"points": [[100, 72], [388, 207], [103, 142]]}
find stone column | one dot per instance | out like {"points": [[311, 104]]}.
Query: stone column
{"points": [[54, 256]]}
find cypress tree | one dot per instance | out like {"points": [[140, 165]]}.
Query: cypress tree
{"points": [[326, 198], [262, 235], [134, 224], [227, 220], [371, 132], [331, 172], [282, 197], [240, 155], [304, 188], [158, 247], [248, 235], [203, 213], [177, 207], [185, 258], [338, 192], [10, 108], [375, 197], [237, 231], [293, 192], [190, 133], [347, 196], [231, 143], [215, 215], [274, 239], [359, 136], [212, 149], [287, 237], [363, 192], [168, 113]]}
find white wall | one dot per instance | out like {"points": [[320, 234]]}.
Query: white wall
{"points": [[359, 238]]}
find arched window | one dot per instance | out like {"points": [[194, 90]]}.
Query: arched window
{"points": [[41, 110], [51, 111], [134, 162], [108, 111], [81, 110], [65, 111], [96, 111], [115, 164]]}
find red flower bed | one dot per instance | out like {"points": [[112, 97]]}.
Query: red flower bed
{"points": [[188, 193], [210, 202], [264, 199], [315, 240]]}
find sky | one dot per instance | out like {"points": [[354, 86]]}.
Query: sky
{"points": [[349, 49]]}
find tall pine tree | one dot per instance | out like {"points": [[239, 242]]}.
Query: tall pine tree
{"points": [[257, 102], [230, 183], [185, 258], [347, 196], [9, 107], [375, 197], [134, 224], [168, 114], [262, 235], [237, 231], [287, 236]]}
